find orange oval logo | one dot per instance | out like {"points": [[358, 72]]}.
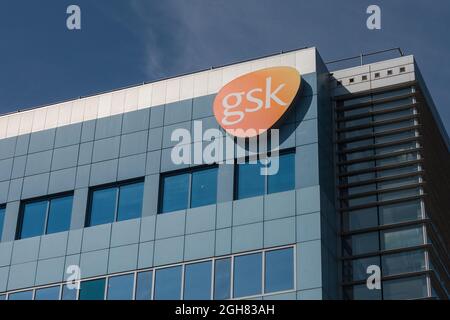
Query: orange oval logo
{"points": [[251, 104]]}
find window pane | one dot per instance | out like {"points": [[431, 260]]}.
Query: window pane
{"points": [[197, 281], [400, 212], [2, 219], [33, 222], [403, 262], [144, 285], [2, 297], [175, 192], [51, 293], [360, 219], [402, 238], [362, 243], [251, 182], [69, 294], [279, 270], [59, 215], [285, 178], [103, 206], [222, 279], [92, 290], [247, 275], [168, 284], [204, 187], [408, 288], [355, 270], [130, 201], [24, 295], [121, 287], [361, 292]]}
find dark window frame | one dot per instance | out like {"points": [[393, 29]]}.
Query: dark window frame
{"points": [[114, 185], [266, 178], [188, 171], [48, 199]]}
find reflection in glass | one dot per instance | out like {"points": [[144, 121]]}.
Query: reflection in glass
{"points": [[24, 295], [59, 215], [279, 269], [103, 206], [284, 179], [247, 275], [222, 279], [175, 193], [130, 201], [197, 281], [92, 290], [168, 283], [120, 287], [51, 293], [204, 187], [33, 220], [144, 285]]}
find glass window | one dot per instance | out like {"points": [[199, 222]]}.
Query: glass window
{"points": [[69, 293], [197, 281], [360, 201], [33, 219], [397, 171], [222, 279], [360, 219], [168, 283], [402, 238], [2, 297], [400, 212], [59, 215], [398, 182], [103, 206], [24, 295], [361, 177], [412, 261], [363, 243], [121, 287], [144, 285], [250, 181], [356, 269], [361, 292], [399, 194], [204, 187], [279, 268], [2, 220], [406, 288], [93, 290], [130, 201], [284, 179], [51, 293], [116, 203], [175, 192], [189, 190], [247, 275]]}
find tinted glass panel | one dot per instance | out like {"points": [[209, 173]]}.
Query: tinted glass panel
{"points": [[24, 295], [92, 290], [247, 275], [251, 182], [69, 293], [130, 201], [197, 281], [279, 270], [222, 279], [144, 285], [285, 178], [2, 297], [403, 262], [33, 223], [361, 292], [168, 284], [175, 192], [204, 187], [402, 238], [363, 243], [59, 215], [103, 206], [121, 287], [2, 220], [360, 219], [355, 270], [400, 212], [51, 293], [408, 288]]}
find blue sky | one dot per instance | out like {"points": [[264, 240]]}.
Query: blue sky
{"points": [[128, 42]]}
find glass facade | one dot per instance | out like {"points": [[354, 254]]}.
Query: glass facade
{"points": [[202, 280], [2, 220]]}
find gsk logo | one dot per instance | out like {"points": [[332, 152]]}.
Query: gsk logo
{"points": [[251, 104]]}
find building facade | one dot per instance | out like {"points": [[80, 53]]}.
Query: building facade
{"points": [[90, 188]]}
